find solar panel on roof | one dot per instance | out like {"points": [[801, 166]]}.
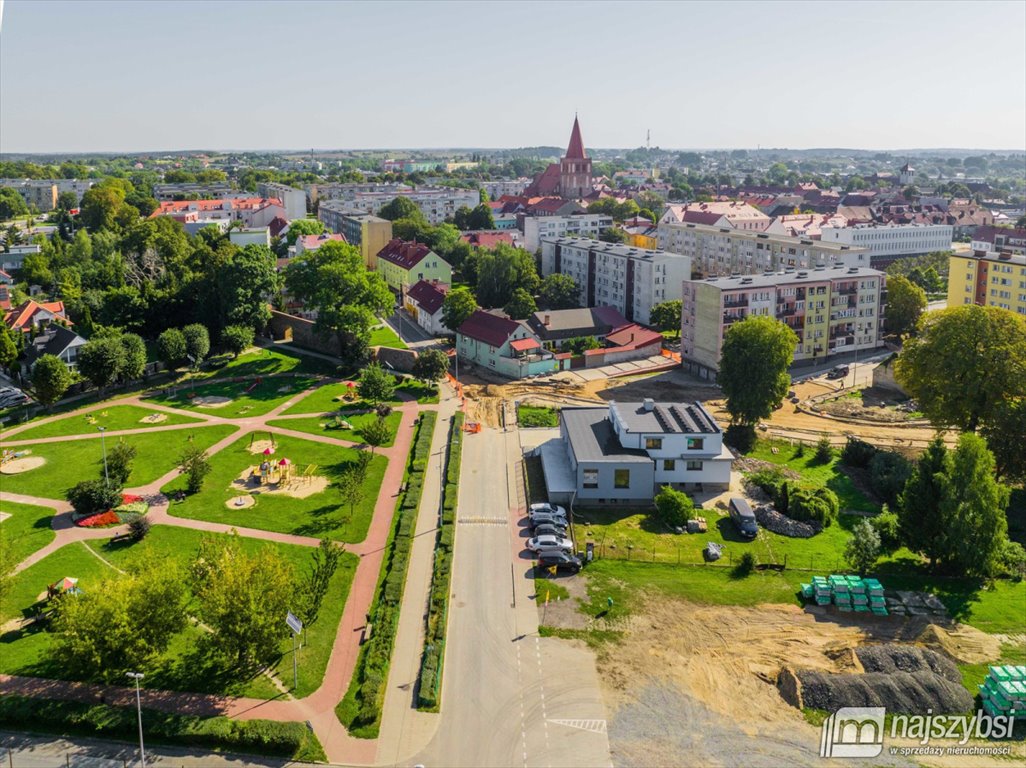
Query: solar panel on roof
{"points": [[663, 417]]}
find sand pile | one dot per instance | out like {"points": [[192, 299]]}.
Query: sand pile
{"points": [[962, 643], [153, 418], [259, 446], [26, 464]]}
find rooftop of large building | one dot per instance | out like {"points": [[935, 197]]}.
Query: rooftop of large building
{"points": [[601, 246], [650, 417], [767, 237], [593, 438], [1000, 257], [767, 279]]}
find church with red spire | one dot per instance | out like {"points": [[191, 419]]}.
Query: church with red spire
{"points": [[570, 178]]}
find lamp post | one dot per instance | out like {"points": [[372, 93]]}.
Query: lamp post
{"points": [[103, 444], [137, 676]]}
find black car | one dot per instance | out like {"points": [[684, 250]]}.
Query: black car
{"points": [[838, 372], [549, 529], [563, 561]]}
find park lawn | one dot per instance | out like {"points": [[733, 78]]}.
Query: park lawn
{"points": [[828, 474], [384, 336], [73, 560], [68, 463], [316, 425], [26, 530], [424, 392], [329, 398], [257, 361], [247, 398], [537, 416], [321, 514], [114, 418]]}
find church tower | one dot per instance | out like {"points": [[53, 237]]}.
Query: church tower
{"points": [[575, 167], [906, 175]]}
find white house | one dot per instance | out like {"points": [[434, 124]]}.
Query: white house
{"points": [[423, 302]]}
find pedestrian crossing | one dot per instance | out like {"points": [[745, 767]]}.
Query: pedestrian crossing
{"points": [[595, 726], [468, 520]]}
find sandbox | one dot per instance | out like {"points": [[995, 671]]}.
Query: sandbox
{"points": [[17, 466], [298, 487], [211, 401], [259, 446], [153, 418]]}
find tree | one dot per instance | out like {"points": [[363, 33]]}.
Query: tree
{"points": [[431, 365], [194, 464], [614, 235], [502, 271], [239, 287], [1020, 223], [351, 488], [8, 349], [119, 464], [459, 304], [101, 360], [401, 208], [922, 528], [171, 349], [559, 291], [134, 362], [755, 357], [67, 201], [906, 302], [300, 227], [376, 384], [197, 342], [963, 363], [376, 433], [12, 205], [243, 597], [863, 548], [520, 305], [578, 345], [347, 297], [888, 474], [101, 205], [325, 559], [50, 379], [673, 507], [481, 218], [90, 497], [120, 624], [236, 339], [1005, 431], [911, 192], [973, 507], [666, 316]]}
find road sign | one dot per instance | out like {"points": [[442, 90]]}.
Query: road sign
{"points": [[294, 623]]}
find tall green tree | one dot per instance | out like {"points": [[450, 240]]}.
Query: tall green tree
{"points": [[236, 339], [8, 349], [459, 304], [863, 548], [171, 349], [119, 463], [325, 561], [12, 205], [481, 218], [559, 291], [502, 271], [1005, 432], [101, 360], [241, 284], [964, 361], [134, 362], [431, 365], [754, 361], [906, 302], [520, 305], [376, 384], [666, 317], [197, 342], [920, 521], [50, 379], [101, 205], [401, 208]]}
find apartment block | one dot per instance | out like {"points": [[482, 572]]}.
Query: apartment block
{"points": [[499, 187], [989, 279], [367, 232], [999, 239], [293, 199], [39, 193], [194, 191], [436, 203], [716, 251], [631, 280], [887, 242], [537, 228], [832, 310]]}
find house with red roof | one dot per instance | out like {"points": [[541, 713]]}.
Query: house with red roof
{"points": [[306, 243], [506, 347], [489, 238], [423, 302], [32, 316], [402, 263], [733, 214], [196, 214]]}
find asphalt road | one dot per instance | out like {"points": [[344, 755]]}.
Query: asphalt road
{"points": [[509, 697]]}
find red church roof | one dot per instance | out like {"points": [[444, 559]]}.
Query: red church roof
{"points": [[576, 149]]}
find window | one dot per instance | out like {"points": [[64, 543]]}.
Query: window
{"points": [[653, 443], [669, 465], [696, 443], [694, 466], [622, 478], [591, 478]]}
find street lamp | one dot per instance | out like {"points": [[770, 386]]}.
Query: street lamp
{"points": [[103, 444], [137, 676]]}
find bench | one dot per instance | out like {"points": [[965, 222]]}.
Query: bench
{"points": [[365, 635], [118, 537]]}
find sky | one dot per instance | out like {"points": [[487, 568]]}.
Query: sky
{"points": [[189, 74]]}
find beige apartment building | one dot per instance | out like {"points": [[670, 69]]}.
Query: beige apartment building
{"points": [[367, 232]]}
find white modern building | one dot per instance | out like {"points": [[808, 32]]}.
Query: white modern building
{"points": [[250, 236], [631, 280], [437, 204], [537, 228], [294, 200], [500, 187], [725, 251], [890, 241]]}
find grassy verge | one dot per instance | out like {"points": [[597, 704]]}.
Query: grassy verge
{"points": [[537, 416], [25, 531], [360, 709], [384, 336], [430, 688], [318, 425], [246, 397], [116, 417], [71, 718], [265, 362]]}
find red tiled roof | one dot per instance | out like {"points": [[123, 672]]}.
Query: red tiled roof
{"points": [[987, 234], [24, 314], [548, 204], [522, 345], [428, 295], [313, 242], [633, 336], [277, 225], [701, 217], [487, 239], [169, 207], [403, 254], [5, 277], [575, 151], [493, 330]]}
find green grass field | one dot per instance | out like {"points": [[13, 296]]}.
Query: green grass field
{"points": [[264, 362], [320, 515], [67, 463], [537, 416], [384, 336], [178, 668], [317, 425], [329, 397], [114, 418], [247, 398], [26, 530]]}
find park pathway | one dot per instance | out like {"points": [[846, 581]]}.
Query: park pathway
{"points": [[319, 707]]}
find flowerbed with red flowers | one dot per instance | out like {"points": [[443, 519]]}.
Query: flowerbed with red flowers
{"points": [[131, 507], [101, 520]]}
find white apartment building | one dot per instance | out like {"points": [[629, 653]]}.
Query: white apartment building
{"points": [[889, 241], [293, 199], [181, 190], [832, 311], [500, 187], [724, 251], [349, 190], [436, 203], [731, 213], [537, 228], [631, 280]]}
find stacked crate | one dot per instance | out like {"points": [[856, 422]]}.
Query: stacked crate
{"points": [[848, 593], [1004, 691], [876, 597], [859, 598], [842, 595], [821, 590]]}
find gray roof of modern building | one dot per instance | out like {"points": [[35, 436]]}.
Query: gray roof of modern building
{"points": [[592, 437], [751, 234], [767, 279], [650, 417], [615, 249]]}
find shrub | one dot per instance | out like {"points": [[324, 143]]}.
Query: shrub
{"points": [[887, 528], [138, 528], [824, 451], [235, 339], [857, 453], [863, 548], [771, 481], [741, 437], [811, 503], [673, 507], [1011, 560], [744, 566], [888, 473], [92, 496]]}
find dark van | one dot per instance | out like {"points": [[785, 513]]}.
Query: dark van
{"points": [[743, 517]]}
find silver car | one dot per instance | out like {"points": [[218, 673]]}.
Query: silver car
{"points": [[549, 542]]}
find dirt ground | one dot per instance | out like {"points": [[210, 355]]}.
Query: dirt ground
{"points": [[297, 487], [26, 464]]}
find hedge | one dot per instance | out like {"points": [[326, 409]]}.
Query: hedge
{"points": [[70, 718], [429, 689], [360, 709]]}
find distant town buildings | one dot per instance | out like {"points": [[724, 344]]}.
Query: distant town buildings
{"points": [[831, 310], [38, 193], [570, 177], [193, 191], [251, 212], [887, 242], [436, 203], [367, 232], [732, 214], [989, 278], [294, 200], [999, 239]]}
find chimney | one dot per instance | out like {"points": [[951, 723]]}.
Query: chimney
{"points": [[548, 319], [648, 404]]}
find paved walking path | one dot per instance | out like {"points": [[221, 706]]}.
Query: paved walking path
{"points": [[319, 707]]}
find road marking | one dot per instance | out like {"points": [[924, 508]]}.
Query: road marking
{"points": [[595, 726], [483, 521], [541, 684], [523, 719]]}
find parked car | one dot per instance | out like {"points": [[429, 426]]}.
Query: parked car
{"points": [[548, 541], [543, 519], [838, 372], [544, 508], [743, 517], [563, 561], [550, 529]]}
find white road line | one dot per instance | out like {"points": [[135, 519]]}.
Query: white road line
{"points": [[545, 717], [595, 726], [523, 718], [482, 521]]}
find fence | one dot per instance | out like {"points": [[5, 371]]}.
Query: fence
{"points": [[684, 555]]}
